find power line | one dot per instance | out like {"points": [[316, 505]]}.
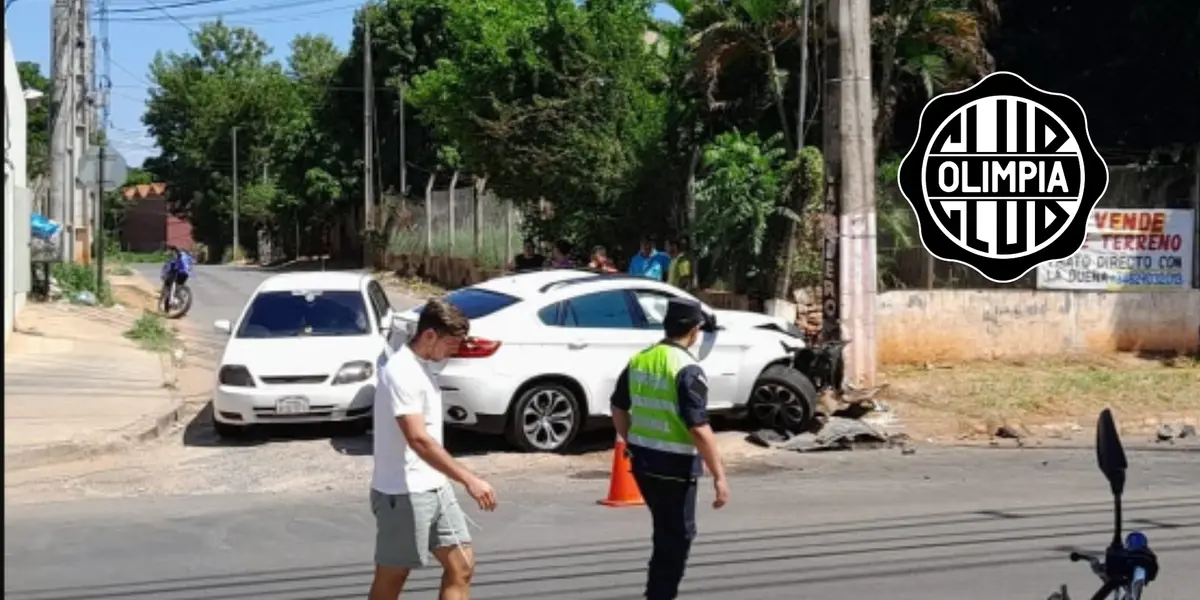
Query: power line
{"points": [[269, 20], [249, 10], [185, 4]]}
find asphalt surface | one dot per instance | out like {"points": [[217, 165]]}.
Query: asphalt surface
{"points": [[943, 524], [221, 292]]}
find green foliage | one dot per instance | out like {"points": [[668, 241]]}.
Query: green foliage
{"points": [[736, 200], [74, 278], [610, 117], [37, 120], [152, 333]]}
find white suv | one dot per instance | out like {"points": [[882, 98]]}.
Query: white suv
{"points": [[546, 349]]}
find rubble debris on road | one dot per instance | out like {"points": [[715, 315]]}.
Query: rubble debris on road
{"points": [[836, 433], [1167, 434]]}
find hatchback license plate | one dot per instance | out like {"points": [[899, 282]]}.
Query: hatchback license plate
{"points": [[292, 405]]}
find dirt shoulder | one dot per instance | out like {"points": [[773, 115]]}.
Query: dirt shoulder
{"points": [[1040, 397]]}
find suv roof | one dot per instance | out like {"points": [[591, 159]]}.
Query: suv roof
{"points": [[528, 285]]}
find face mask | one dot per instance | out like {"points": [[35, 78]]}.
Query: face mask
{"points": [[434, 367]]}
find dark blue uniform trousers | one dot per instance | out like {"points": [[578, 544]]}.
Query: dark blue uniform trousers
{"points": [[672, 504]]}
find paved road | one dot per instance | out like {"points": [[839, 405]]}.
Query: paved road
{"points": [[940, 525], [221, 292]]}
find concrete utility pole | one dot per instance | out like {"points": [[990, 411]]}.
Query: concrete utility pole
{"points": [[102, 87], [368, 121], [403, 147], [237, 242], [60, 109], [850, 151]]}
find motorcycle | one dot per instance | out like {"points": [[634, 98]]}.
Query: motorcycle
{"points": [[176, 298], [1128, 566]]}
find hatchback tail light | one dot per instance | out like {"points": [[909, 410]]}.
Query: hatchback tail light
{"points": [[474, 347]]}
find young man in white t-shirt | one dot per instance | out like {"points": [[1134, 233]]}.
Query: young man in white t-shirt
{"points": [[416, 513]]}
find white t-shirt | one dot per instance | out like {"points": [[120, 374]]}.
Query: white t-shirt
{"points": [[406, 387]]}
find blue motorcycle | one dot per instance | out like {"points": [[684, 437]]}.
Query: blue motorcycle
{"points": [[175, 299]]}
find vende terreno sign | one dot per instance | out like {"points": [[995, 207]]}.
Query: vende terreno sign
{"points": [[1128, 250]]}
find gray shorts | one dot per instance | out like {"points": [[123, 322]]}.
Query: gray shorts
{"points": [[408, 527]]}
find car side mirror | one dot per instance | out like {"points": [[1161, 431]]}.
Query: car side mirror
{"points": [[710, 322], [387, 324], [223, 326]]}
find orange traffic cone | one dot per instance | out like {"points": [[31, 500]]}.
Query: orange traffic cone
{"points": [[622, 489]]}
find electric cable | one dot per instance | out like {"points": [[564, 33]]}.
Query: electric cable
{"points": [[248, 10]]}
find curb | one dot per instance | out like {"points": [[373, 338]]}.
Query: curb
{"points": [[146, 429]]}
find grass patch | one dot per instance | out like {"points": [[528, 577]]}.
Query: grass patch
{"points": [[1049, 389], [134, 258], [74, 279], [151, 332]]}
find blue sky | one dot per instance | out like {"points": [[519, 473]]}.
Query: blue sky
{"points": [[133, 44]]}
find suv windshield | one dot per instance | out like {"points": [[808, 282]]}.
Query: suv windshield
{"points": [[476, 303], [305, 313]]}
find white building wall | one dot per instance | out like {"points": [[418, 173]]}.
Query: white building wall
{"points": [[15, 184]]}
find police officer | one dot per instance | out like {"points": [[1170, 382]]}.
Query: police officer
{"points": [[659, 410]]}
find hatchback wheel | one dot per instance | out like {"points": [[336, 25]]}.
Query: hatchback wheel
{"points": [[783, 399], [545, 418]]}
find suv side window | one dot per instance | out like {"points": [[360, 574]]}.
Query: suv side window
{"points": [[654, 307], [601, 310], [549, 315]]}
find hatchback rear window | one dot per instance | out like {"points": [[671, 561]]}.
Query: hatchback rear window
{"points": [[476, 303]]}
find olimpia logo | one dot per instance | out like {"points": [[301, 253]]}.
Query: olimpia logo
{"points": [[1003, 177]]}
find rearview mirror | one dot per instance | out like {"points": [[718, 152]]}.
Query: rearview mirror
{"points": [[223, 325], [1110, 454]]}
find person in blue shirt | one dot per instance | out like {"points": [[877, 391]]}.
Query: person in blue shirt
{"points": [[649, 261]]}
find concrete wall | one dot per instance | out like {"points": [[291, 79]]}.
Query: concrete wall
{"points": [[951, 325], [15, 193]]}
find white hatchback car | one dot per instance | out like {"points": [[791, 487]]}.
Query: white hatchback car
{"points": [[305, 349], [546, 349]]}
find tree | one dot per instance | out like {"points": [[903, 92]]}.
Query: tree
{"points": [[554, 100], [197, 100], [38, 120]]}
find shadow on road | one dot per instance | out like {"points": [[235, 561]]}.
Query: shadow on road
{"points": [[199, 432]]}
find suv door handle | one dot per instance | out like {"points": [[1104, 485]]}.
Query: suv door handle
{"points": [[577, 345]]}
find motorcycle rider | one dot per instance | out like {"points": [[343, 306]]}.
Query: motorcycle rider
{"points": [[176, 270]]}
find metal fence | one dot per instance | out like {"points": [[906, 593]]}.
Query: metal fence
{"points": [[462, 225], [904, 263]]}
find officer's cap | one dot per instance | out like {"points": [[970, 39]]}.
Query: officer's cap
{"points": [[683, 313]]}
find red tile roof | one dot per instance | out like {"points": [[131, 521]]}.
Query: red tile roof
{"points": [[144, 190]]}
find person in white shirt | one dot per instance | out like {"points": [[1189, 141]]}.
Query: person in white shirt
{"points": [[416, 513]]}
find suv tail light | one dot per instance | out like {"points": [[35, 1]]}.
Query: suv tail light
{"points": [[474, 347]]}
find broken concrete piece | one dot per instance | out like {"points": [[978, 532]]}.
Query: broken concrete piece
{"points": [[841, 434], [1187, 431], [768, 438], [1008, 432], [1165, 433]]}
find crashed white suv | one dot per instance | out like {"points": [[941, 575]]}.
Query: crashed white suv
{"points": [[546, 349]]}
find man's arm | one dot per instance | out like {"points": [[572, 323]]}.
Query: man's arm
{"points": [[621, 403], [693, 408], [409, 411], [430, 451]]}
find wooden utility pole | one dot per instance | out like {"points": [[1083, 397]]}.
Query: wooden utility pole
{"points": [[850, 151], [368, 121]]}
